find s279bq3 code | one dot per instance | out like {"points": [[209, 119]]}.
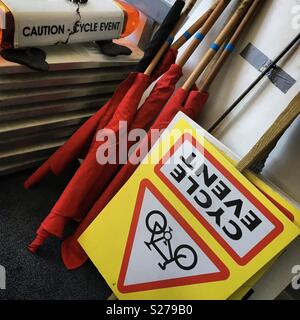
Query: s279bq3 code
{"points": [[165, 309]]}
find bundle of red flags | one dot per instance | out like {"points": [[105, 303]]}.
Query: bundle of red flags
{"points": [[95, 184]]}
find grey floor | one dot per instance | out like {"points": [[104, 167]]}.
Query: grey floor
{"points": [[41, 276]]}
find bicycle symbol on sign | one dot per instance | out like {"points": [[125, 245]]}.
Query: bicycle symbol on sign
{"points": [[184, 256]]}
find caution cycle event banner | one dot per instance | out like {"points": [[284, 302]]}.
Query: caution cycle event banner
{"points": [[187, 225]]}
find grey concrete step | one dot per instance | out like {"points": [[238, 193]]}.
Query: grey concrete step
{"points": [[39, 109], [42, 137], [16, 166], [27, 152], [26, 96], [62, 78], [19, 128]]}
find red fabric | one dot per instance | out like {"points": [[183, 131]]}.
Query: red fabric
{"points": [[168, 59], [159, 96], [195, 103], [41, 172], [191, 104], [91, 177], [77, 145], [42, 235]]}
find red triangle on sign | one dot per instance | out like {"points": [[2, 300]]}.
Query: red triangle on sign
{"points": [[162, 250]]}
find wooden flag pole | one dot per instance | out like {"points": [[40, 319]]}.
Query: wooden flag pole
{"points": [[260, 149], [203, 31], [217, 66], [228, 29], [194, 28], [166, 45]]}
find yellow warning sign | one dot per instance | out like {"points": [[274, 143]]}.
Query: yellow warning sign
{"points": [[187, 225]]}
